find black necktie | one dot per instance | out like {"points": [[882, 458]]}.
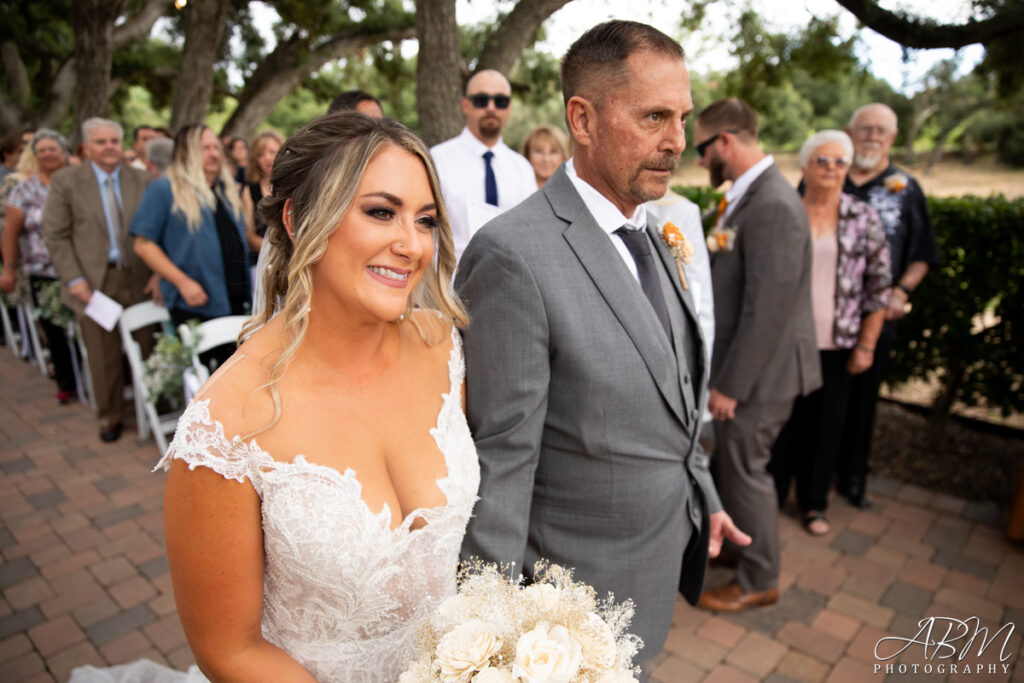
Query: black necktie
{"points": [[490, 182], [640, 249]]}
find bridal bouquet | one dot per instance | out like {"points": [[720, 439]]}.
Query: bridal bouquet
{"points": [[553, 631]]}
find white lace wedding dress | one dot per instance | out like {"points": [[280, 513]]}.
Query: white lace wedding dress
{"points": [[344, 594]]}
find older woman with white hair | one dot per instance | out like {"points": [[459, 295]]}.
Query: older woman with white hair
{"points": [[23, 241], [850, 280]]}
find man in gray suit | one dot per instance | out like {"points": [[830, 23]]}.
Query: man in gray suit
{"points": [[765, 351], [85, 229], [584, 355]]}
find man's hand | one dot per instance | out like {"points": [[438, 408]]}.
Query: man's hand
{"points": [[193, 293], [721, 406], [7, 279], [722, 528], [859, 360], [152, 288], [898, 306], [81, 291]]}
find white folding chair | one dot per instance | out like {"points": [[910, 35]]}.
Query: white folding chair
{"points": [[212, 333], [80, 362], [134, 318], [32, 329], [11, 338]]}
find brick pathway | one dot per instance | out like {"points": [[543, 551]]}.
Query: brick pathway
{"points": [[84, 579]]}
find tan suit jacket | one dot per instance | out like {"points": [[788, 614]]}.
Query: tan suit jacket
{"points": [[75, 228]]}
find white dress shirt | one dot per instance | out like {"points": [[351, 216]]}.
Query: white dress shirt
{"points": [[608, 216], [740, 186], [460, 167], [686, 216]]}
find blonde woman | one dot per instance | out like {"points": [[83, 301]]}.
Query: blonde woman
{"points": [[319, 485], [545, 147], [257, 185], [189, 229]]}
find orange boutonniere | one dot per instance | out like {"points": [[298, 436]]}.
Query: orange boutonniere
{"points": [[721, 239], [680, 247], [896, 183]]}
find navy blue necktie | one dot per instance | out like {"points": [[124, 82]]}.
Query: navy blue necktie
{"points": [[490, 182], [640, 249]]}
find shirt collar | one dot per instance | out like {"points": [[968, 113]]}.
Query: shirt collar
{"points": [[477, 147], [607, 215], [743, 183], [101, 175]]}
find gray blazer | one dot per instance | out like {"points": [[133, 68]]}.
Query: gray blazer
{"points": [[75, 228], [587, 447], [765, 348]]}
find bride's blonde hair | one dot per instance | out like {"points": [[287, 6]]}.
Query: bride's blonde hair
{"points": [[320, 169]]}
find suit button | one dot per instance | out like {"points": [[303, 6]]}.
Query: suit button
{"points": [[694, 414]]}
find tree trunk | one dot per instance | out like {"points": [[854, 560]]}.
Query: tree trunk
{"points": [[920, 117], [506, 44], [438, 87], [204, 27], [93, 21], [286, 67], [1007, 22]]}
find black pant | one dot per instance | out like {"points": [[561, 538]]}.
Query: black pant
{"points": [[852, 467], [808, 446], [56, 340], [216, 356]]}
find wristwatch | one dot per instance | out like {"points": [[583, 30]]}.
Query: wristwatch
{"points": [[906, 290]]}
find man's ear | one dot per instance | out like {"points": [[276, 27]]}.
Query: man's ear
{"points": [[466, 105], [580, 117]]}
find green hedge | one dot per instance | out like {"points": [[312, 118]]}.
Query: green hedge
{"points": [[968, 314]]}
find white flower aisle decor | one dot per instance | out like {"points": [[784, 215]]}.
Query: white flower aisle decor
{"points": [[553, 631], [165, 365], [50, 307]]}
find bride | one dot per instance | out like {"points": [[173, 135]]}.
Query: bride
{"points": [[319, 485]]}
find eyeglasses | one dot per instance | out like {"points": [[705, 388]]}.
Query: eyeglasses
{"points": [[866, 130], [703, 146], [480, 100], [822, 161]]}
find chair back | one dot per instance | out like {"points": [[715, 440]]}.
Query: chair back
{"points": [[135, 318]]}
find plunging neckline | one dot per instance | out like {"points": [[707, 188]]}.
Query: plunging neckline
{"points": [[266, 462]]}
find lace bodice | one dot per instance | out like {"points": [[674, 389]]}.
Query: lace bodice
{"points": [[344, 593]]}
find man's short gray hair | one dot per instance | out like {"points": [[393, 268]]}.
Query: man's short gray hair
{"points": [[825, 137], [89, 125], [159, 152]]}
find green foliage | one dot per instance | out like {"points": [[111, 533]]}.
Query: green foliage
{"points": [[706, 198], [50, 307], [165, 365], [967, 321], [295, 111]]}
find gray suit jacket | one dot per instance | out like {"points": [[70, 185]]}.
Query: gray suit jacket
{"points": [[75, 227], [765, 347], [588, 450]]}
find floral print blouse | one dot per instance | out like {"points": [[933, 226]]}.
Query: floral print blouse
{"points": [[30, 196], [863, 275]]}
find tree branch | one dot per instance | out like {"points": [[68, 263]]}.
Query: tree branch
{"points": [[17, 74], [141, 23], [923, 34], [506, 44]]}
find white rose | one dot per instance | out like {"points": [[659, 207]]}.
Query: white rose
{"points": [[465, 649], [598, 642], [492, 675], [542, 597], [547, 655], [452, 608]]}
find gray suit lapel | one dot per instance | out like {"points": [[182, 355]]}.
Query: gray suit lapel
{"points": [[613, 280]]}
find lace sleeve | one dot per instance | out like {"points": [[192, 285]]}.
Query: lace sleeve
{"points": [[199, 441]]}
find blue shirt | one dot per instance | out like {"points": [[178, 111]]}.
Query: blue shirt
{"points": [[197, 254], [113, 255]]}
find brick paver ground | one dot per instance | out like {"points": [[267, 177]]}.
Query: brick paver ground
{"points": [[84, 579]]}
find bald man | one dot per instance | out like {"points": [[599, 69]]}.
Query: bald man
{"points": [[901, 203], [481, 177]]}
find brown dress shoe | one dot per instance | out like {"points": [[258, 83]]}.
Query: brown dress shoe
{"points": [[731, 598]]}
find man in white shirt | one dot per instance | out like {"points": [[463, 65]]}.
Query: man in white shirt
{"points": [[481, 177]]}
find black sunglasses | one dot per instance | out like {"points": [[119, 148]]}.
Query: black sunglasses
{"points": [[703, 146], [480, 101]]}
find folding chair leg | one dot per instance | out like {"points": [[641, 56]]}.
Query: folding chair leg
{"points": [[12, 339]]}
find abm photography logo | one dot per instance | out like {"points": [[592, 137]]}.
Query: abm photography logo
{"points": [[947, 646]]}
